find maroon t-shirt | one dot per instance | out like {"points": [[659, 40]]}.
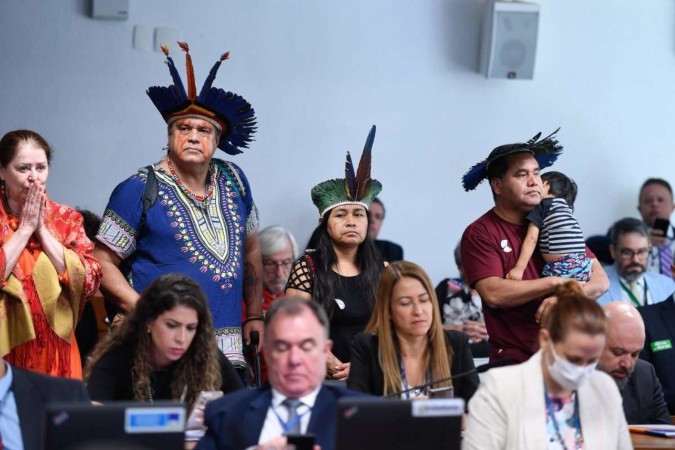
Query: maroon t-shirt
{"points": [[490, 248]]}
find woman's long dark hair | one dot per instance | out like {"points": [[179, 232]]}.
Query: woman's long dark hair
{"points": [[368, 260], [198, 368]]}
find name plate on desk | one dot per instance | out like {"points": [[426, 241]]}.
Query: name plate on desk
{"points": [[440, 407], [154, 420]]}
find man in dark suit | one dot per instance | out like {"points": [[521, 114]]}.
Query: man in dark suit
{"points": [[296, 349], [658, 349], [23, 398], [643, 401], [388, 250]]}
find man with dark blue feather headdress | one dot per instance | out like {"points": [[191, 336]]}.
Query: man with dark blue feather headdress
{"points": [[189, 212], [490, 247]]}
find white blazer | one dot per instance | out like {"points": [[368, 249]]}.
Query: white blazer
{"points": [[508, 412]]}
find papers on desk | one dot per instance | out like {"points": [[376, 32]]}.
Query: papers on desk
{"points": [[654, 430]]}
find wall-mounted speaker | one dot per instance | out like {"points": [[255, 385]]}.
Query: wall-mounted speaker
{"points": [[509, 40]]}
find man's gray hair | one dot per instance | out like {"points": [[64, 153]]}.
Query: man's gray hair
{"points": [[274, 239], [294, 306]]}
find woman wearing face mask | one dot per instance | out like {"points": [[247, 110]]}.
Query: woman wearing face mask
{"points": [[556, 399]]}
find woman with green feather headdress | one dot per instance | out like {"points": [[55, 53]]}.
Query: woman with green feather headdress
{"points": [[343, 272]]}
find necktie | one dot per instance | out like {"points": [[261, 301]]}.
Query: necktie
{"points": [[637, 292], [666, 258], [292, 404]]}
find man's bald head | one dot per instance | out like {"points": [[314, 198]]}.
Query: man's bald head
{"points": [[625, 340]]}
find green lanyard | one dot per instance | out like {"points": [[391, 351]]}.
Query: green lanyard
{"points": [[632, 296]]}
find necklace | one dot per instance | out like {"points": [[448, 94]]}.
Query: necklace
{"points": [[199, 200]]}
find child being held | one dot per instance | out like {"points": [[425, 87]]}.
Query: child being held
{"points": [[553, 225]]}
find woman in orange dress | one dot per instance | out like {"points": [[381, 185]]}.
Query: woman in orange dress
{"points": [[47, 263]]}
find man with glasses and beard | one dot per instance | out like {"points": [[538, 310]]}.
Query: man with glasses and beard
{"points": [[629, 280], [643, 401]]}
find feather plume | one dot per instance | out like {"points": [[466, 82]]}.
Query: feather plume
{"points": [[212, 76], [350, 177], [192, 87], [474, 176], [363, 172], [165, 49]]}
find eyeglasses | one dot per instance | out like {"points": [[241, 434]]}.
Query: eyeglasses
{"points": [[627, 253], [269, 264]]}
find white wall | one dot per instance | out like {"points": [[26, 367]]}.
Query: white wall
{"points": [[320, 73]]}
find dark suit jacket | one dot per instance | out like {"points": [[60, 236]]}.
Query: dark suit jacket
{"points": [[32, 393], [643, 401], [660, 344], [365, 373], [389, 251], [235, 420]]}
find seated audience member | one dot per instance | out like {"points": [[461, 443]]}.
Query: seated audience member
{"points": [[23, 398], [556, 399], [629, 280], [462, 309], [404, 344], [165, 349], [279, 250], [555, 231], [296, 349], [643, 401], [659, 346], [343, 272], [388, 250], [656, 204]]}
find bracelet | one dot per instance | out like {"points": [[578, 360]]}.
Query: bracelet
{"points": [[251, 318]]}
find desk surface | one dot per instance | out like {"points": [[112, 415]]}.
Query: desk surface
{"points": [[646, 442]]}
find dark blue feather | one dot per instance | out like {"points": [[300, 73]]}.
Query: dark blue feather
{"points": [[475, 176], [350, 177]]}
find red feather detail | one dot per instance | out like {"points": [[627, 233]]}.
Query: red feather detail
{"points": [[192, 87], [165, 49], [362, 174], [225, 56]]}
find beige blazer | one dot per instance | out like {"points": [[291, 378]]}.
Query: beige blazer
{"points": [[508, 411]]}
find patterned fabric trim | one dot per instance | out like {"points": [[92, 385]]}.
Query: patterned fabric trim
{"points": [[229, 342], [116, 233]]}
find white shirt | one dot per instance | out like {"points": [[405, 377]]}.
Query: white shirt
{"points": [[272, 428]]}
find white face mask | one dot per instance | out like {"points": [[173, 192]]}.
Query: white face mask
{"points": [[568, 375]]}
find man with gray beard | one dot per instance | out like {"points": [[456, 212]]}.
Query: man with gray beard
{"points": [[643, 401]]}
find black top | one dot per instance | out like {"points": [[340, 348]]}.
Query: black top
{"points": [[365, 373], [111, 378], [643, 401]]}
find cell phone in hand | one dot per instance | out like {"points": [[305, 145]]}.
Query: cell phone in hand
{"points": [[198, 408], [301, 441], [661, 227]]}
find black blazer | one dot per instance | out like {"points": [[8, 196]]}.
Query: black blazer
{"points": [[643, 401], [660, 344], [365, 373], [235, 420], [389, 251], [32, 392]]}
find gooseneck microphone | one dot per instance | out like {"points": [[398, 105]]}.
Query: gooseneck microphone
{"points": [[480, 369]]}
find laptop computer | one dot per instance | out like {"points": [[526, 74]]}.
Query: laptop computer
{"points": [[115, 426], [374, 424]]}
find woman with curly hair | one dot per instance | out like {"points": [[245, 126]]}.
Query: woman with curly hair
{"points": [[165, 349]]}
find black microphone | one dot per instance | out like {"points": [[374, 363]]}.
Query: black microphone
{"points": [[480, 369], [255, 338]]}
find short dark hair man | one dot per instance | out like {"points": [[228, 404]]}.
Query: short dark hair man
{"points": [[491, 245], [628, 277], [390, 251], [656, 202], [23, 398], [643, 401], [296, 349]]}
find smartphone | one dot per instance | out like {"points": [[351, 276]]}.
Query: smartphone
{"points": [[661, 226], [301, 441]]}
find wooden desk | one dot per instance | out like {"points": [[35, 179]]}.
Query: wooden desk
{"points": [[646, 442]]}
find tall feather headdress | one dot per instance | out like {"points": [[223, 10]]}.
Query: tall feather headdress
{"points": [[545, 151], [356, 187], [229, 112]]}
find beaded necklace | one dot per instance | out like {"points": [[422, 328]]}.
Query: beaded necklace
{"points": [[199, 200]]}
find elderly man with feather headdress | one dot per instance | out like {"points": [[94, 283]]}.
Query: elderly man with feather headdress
{"points": [[490, 246], [190, 212]]}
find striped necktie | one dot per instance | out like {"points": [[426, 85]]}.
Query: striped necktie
{"points": [[666, 258]]}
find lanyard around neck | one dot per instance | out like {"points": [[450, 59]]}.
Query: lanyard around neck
{"points": [[286, 426], [404, 379], [632, 297], [578, 437]]}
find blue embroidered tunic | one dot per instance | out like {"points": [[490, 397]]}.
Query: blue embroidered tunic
{"points": [[201, 239]]}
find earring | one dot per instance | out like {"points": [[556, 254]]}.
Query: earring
{"points": [[148, 330]]}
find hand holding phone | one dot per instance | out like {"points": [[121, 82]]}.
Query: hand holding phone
{"points": [[301, 441], [196, 419]]}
